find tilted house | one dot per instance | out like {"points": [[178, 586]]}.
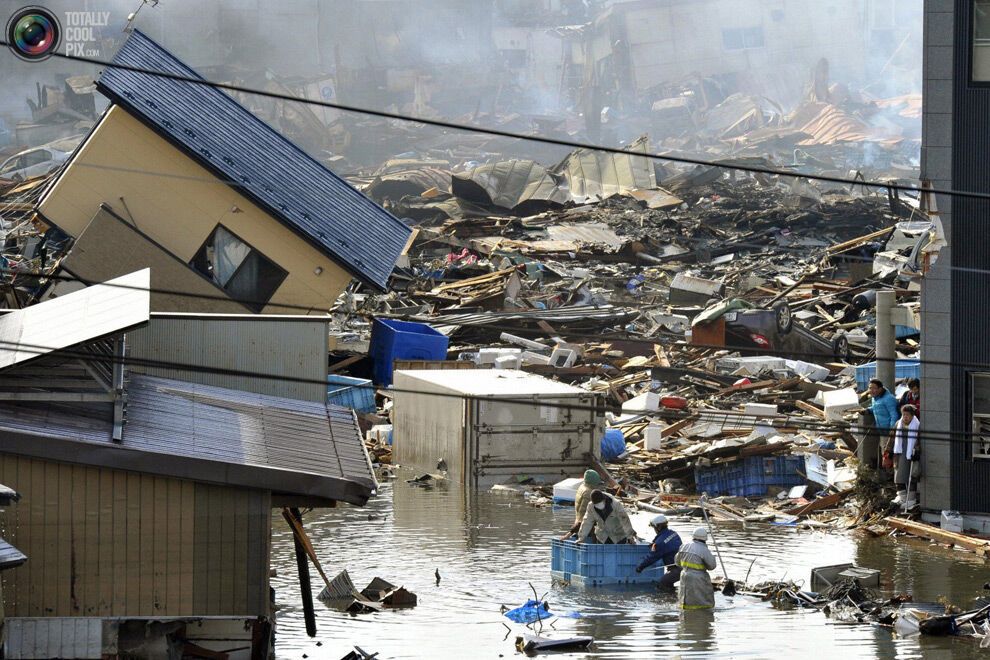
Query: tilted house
{"points": [[178, 177], [146, 502]]}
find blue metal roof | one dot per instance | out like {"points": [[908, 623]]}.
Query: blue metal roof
{"points": [[220, 134]]}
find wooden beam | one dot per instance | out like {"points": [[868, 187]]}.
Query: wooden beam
{"points": [[977, 545], [826, 502], [809, 408]]}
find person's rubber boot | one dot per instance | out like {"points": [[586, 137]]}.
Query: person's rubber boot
{"points": [[901, 496], [910, 501]]}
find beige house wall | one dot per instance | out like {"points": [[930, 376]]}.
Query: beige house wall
{"points": [[108, 543], [177, 203]]}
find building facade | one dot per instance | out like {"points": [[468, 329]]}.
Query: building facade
{"points": [[956, 295]]}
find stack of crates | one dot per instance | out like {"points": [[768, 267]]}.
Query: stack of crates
{"points": [[750, 477], [597, 565]]}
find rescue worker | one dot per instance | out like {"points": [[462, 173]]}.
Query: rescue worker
{"points": [[608, 519], [592, 481], [695, 591], [664, 547]]}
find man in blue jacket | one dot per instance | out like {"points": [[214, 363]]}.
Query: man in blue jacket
{"points": [[884, 407], [664, 547]]}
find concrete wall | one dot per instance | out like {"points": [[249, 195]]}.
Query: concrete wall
{"points": [[936, 292], [113, 543], [177, 204]]}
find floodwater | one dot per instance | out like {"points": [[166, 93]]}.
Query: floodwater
{"points": [[489, 548]]}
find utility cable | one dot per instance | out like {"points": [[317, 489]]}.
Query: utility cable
{"points": [[712, 415], [561, 142]]}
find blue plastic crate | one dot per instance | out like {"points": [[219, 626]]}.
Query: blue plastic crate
{"points": [[403, 340], [902, 369], [597, 565], [749, 477], [355, 393]]}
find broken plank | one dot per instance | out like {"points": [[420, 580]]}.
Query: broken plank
{"points": [[978, 545], [809, 408], [826, 502]]}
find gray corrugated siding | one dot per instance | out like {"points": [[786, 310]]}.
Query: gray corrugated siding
{"points": [[295, 348], [217, 132], [70, 637], [970, 250]]}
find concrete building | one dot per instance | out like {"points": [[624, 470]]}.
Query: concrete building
{"points": [[179, 177], [956, 293]]}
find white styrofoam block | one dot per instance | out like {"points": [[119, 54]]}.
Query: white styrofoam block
{"points": [[489, 355], [508, 362], [838, 402], [645, 402], [952, 521], [566, 490], [653, 436], [760, 409], [529, 357], [814, 372]]}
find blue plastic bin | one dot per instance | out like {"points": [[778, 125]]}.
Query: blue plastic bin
{"points": [[902, 369], [355, 393], [403, 340], [597, 565], [750, 477]]}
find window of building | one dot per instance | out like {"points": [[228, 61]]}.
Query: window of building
{"points": [[981, 40], [740, 38], [981, 415], [240, 270]]}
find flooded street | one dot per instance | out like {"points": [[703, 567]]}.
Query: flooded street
{"points": [[487, 549]]}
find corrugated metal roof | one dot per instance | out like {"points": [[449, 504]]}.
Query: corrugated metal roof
{"points": [[10, 556], [208, 434], [220, 134], [94, 312]]}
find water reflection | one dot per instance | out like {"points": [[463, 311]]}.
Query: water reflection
{"points": [[489, 548]]}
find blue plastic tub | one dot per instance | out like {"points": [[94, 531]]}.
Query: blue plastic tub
{"points": [[598, 565], [403, 340], [355, 393], [902, 369], [750, 477]]}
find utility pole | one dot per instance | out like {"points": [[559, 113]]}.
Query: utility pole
{"points": [[886, 349]]}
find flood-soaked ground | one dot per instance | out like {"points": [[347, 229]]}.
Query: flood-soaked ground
{"points": [[489, 547]]}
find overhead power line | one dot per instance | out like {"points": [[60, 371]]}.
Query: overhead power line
{"points": [[496, 132], [708, 415]]}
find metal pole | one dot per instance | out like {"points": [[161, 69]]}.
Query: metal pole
{"points": [[711, 532], [886, 347]]}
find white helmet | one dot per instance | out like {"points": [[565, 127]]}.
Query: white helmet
{"points": [[658, 520], [701, 534]]}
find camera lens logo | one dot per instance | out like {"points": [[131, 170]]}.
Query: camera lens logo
{"points": [[33, 33]]}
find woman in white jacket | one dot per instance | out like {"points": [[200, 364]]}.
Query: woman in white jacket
{"points": [[905, 448]]}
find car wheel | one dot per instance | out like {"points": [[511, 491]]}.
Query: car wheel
{"points": [[840, 346], [782, 316]]}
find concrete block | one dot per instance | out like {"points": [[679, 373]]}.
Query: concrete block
{"points": [[939, 29], [760, 409], [934, 493], [938, 62]]}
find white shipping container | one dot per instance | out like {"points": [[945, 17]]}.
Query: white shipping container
{"points": [[490, 425]]}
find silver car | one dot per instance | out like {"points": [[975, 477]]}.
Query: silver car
{"points": [[32, 162]]}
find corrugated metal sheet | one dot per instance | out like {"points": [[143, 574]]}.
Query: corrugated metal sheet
{"points": [[510, 184], [227, 139], [290, 346], [10, 556], [596, 175], [208, 434], [970, 239], [49, 637], [94, 312]]}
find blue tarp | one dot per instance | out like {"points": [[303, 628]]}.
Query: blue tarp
{"points": [[613, 444]]}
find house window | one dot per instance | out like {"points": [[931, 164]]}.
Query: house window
{"points": [[740, 38], [244, 273], [981, 415], [981, 40]]}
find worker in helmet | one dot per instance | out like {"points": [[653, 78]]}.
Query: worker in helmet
{"points": [[592, 481], [665, 545], [695, 590]]}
